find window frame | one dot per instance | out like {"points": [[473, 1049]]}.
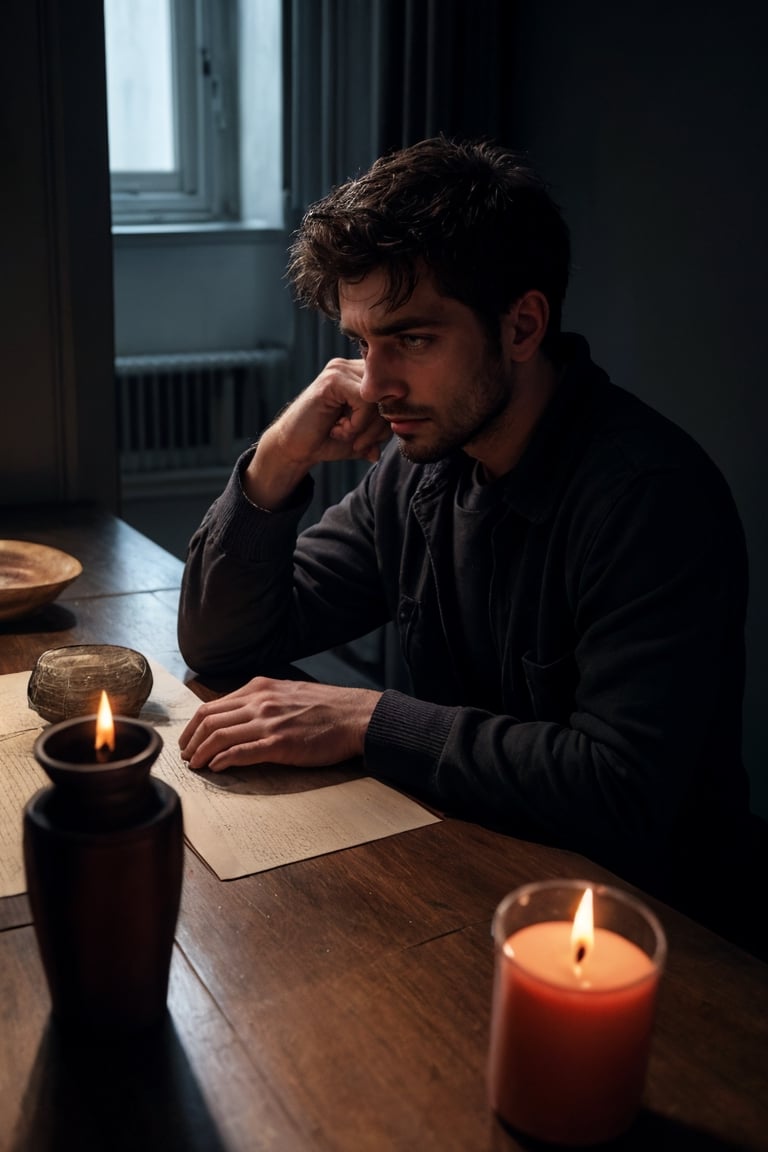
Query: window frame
{"points": [[204, 187]]}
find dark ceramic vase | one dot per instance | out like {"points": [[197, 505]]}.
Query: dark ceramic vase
{"points": [[103, 853]]}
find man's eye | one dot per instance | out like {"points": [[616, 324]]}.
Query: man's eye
{"points": [[360, 346], [412, 341]]}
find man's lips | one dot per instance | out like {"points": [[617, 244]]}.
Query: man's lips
{"points": [[401, 425]]}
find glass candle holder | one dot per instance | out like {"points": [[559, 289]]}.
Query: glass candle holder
{"points": [[572, 1016]]}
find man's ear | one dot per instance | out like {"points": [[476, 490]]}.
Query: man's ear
{"points": [[523, 327]]}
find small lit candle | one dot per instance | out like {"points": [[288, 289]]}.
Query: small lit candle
{"points": [[582, 933], [103, 855], [100, 763], [105, 731], [572, 1016]]}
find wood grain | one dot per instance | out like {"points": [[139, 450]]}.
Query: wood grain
{"points": [[32, 574], [188, 1085], [370, 971], [138, 620], [339, 1004], [115, 557]]}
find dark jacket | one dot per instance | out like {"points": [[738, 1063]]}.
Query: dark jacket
{"points": [[616, 591]]}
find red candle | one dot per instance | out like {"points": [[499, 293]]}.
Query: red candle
{"points": [[572, 1015]]}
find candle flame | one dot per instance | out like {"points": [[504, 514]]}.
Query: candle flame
{"points": [[583, 931], [105, 727]]}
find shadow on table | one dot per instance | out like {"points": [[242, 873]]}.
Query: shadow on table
{"points": [[139, 1093], [221, 685], [280, 779], [650, 1130], [51, 618]]}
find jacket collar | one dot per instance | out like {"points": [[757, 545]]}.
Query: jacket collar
{"points": [[532, 487]]}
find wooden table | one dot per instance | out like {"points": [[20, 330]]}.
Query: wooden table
{"points": [[341, 1003]]}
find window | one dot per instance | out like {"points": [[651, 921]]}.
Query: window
{"points": [[177, 113]]}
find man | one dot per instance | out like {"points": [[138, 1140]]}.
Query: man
{"points": [[565, 568]]}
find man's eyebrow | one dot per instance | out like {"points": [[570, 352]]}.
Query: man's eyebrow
{"points": [[402, 324]]}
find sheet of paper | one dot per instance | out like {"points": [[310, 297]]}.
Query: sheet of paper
{"points": [[20, 778], [238, 822]]}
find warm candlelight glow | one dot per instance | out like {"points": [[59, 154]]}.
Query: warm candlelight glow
{"points": [[583, 932], [573, 1008], [105, 729]]}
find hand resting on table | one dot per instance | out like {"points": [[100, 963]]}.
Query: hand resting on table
{"points": [[279, 722]]}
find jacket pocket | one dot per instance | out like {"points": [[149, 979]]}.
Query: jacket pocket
{"points": [[552, 687]]}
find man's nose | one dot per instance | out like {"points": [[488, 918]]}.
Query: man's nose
{"points": [[379, 381]]}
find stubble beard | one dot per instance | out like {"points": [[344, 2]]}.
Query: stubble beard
{"points": [[488, 397]]}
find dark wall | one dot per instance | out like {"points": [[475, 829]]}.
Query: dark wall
{"points": [[57, 436], [649, 119]]}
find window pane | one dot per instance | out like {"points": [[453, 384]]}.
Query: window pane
{"points": [[140, 86]]}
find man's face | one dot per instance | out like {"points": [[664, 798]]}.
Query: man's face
{"points": [[429, 366]]}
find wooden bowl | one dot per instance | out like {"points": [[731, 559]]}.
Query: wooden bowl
{"points": [[67, 682], [32, 575]]}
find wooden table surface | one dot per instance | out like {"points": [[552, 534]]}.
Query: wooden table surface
{"points": [[340, 1004]]}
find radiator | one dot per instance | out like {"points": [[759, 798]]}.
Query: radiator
{"points": [[184, 419]]}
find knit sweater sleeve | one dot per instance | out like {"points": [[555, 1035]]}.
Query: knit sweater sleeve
{"points": [[652, 696], [257, 595]]}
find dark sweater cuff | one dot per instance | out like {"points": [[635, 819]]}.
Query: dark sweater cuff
{"points": [[250, 533], [405, 740]]}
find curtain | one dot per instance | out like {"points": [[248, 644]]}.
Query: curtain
{"points": [[363, 77], [443, 68]]}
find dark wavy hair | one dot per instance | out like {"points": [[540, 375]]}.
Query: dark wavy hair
{"points": [[479, 219]]}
